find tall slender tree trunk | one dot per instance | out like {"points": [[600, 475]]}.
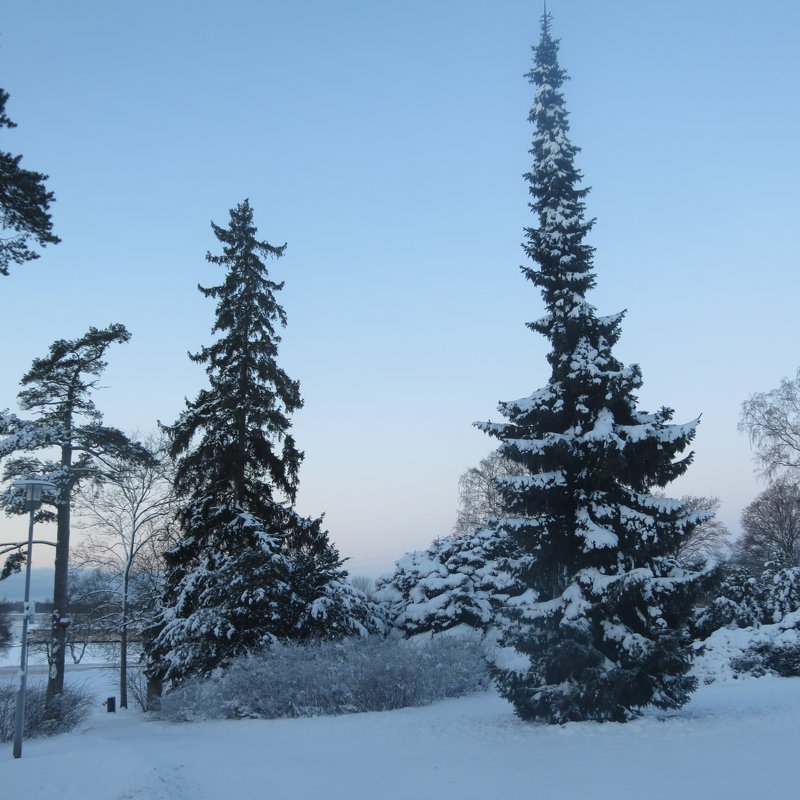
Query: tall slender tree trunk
{"points": [[123, 667], [123, 642], [60, 618]]}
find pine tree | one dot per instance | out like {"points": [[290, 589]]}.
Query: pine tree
{"points": [[248, 569], [59, 390], [600, 631]]}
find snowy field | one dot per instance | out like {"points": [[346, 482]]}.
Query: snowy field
{"points": [[736, 739]]}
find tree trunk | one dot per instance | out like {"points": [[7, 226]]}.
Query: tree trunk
{"points": [[123, 644], [60, 619], [123, 668]]}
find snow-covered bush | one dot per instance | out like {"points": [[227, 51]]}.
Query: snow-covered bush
{"points": [[751, 627], [73, 708], [742, 600], [301, 680], [756, 651], [783, 660], [459, 581]]}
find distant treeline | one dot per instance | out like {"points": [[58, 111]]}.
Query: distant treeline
{"points": [[38, 608]]}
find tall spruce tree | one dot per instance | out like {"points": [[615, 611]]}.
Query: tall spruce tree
{"points": [[248, 570], [600, 631]]}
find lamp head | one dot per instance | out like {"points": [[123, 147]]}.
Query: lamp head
{"points": [[34, 488]]}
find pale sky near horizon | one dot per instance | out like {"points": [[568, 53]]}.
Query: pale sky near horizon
{"points": [[385, 143]]}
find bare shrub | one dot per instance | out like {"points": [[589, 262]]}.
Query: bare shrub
{"points": [[304, 680], [137, 688], [72, 708]]}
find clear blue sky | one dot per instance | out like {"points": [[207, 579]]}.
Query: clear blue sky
{"points": [[386, 142]]}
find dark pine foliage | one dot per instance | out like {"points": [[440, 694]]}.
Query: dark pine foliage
{"points": [[248, 569], [601, 630], [24, 206]]}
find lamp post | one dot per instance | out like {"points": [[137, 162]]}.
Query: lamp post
{"points": [[33, 500]]}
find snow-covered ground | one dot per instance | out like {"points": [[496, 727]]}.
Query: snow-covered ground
{"points": [[736, 739]]}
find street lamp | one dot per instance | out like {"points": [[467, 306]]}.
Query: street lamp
{"points": [[33, 500]]}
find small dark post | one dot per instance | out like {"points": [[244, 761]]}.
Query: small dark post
{"points": [[111, 705]]}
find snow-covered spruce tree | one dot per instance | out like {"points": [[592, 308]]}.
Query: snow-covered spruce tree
{"points": [[738, 601], [600, 631], [248, 570], [782, 592], [458, 584]]}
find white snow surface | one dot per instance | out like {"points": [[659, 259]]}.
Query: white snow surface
{"points": [[735, 739]]}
